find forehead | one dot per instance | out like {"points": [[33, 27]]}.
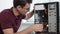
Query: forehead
{"points": [[27, 5]]}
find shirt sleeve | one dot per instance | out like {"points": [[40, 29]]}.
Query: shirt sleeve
{"points": [[4, 21]]}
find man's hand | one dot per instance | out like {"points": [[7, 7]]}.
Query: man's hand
{"points": [[37, 27], [29, 15]]}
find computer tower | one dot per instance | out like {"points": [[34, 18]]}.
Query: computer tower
{"points": [[48, 15]]}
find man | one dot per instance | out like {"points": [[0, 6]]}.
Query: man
{"points": [[10, 18]]}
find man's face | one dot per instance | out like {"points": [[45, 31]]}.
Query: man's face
{"points": [[23, 10]]}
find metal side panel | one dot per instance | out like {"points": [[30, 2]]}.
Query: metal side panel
{"points": [[59, 17], [52, 17]]}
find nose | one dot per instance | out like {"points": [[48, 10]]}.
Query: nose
{"points": [[26, 10]]}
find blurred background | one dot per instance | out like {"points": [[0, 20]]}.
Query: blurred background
{"points": [[4, 4]]}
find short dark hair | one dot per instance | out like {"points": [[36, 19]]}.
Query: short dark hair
{"points": [[21, 2]]}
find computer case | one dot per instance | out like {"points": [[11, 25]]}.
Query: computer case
{"points": [[48, 15]]}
